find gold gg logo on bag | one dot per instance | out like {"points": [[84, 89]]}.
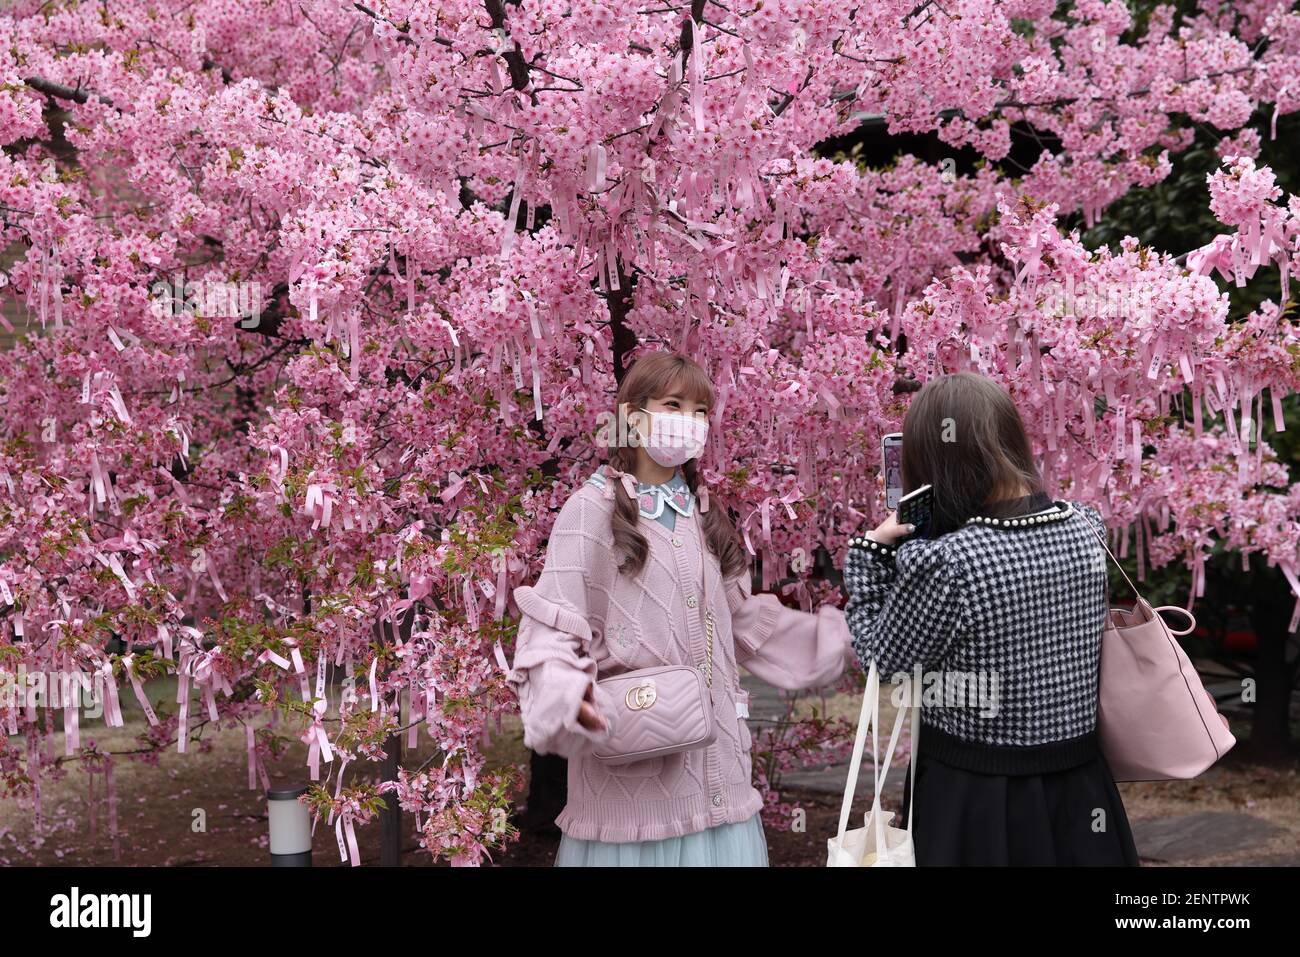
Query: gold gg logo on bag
{"points": [[642, 696]]}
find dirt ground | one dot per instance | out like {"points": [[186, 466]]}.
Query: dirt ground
{"points": [[161, 808]]}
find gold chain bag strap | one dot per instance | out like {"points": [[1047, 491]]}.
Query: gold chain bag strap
{"points": [[708, 607], [661, 711]]}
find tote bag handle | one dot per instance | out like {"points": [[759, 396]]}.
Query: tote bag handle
{"points": [[870, 716], [887, 761], [1183, 611], [855, 763]]}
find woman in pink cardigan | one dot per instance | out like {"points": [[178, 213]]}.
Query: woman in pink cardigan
{"points": [[622, 588]]}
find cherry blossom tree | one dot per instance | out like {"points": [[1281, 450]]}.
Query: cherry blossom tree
{"points": [[316, 306]]}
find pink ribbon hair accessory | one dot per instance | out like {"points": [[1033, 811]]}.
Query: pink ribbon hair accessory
{"points": [[626, 478]]}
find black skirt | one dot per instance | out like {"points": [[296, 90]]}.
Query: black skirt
{"points": [[1070, 817]]}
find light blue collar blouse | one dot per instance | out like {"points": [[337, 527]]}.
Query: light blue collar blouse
{"points": [[660, 502]]}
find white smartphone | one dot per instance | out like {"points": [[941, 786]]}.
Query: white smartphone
{"points": [[891, 455]]}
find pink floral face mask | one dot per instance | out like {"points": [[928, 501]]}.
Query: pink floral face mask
{"points": [[675, 437]]}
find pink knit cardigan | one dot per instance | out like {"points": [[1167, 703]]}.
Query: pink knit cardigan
{"points": [[583, 619]]}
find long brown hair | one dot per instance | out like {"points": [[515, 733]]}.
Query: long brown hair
{"points": [[652, 375], [964, 437]]}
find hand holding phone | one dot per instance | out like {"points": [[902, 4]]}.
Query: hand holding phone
{"points": [[890, 531], [915, 507], [911, 516]]}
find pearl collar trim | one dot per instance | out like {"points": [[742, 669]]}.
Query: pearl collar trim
{"points": [[1059, 510]]}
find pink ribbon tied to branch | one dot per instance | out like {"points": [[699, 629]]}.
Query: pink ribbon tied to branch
{"points": [[177, 427], [278, 660], [201, 666], [320, 503], [405, 537], [112, 707], [456, 482], [419, 587], [101, 486], [317, 740], [129, 541], [764, 513], [277, 475], [128, 663], [119, 405], [1033, 257], [1221, 253], [295, 655], [697, 55], [342, 826], [1289, 570], [114, 564]]}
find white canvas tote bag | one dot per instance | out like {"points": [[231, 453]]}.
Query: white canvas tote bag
{"points": [[877, 843]]}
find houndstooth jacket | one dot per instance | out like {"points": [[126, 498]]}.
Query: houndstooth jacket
{"points": [[1004, 622]]}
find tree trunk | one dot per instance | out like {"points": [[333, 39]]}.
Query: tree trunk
{"points": [[390, 818], [620, 304], [548, 792], [1270, 613]]}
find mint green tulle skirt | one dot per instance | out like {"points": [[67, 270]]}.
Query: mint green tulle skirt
{"points": [[728, 845]]}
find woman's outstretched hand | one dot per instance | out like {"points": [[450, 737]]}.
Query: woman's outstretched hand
{"points": [[588, 716], [890, 531]]}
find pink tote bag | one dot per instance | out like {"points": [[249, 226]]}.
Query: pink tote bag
{"points": [[1155, 720]]}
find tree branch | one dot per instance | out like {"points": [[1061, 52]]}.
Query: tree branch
{"points": [[61, 92], [514, 57]]}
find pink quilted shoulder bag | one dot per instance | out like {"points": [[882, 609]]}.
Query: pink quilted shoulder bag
{"points": [[660, 711], [1155, 720]]}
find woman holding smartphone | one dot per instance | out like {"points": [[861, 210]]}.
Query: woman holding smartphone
{"points": [[1002, 606], [643, 570]]}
